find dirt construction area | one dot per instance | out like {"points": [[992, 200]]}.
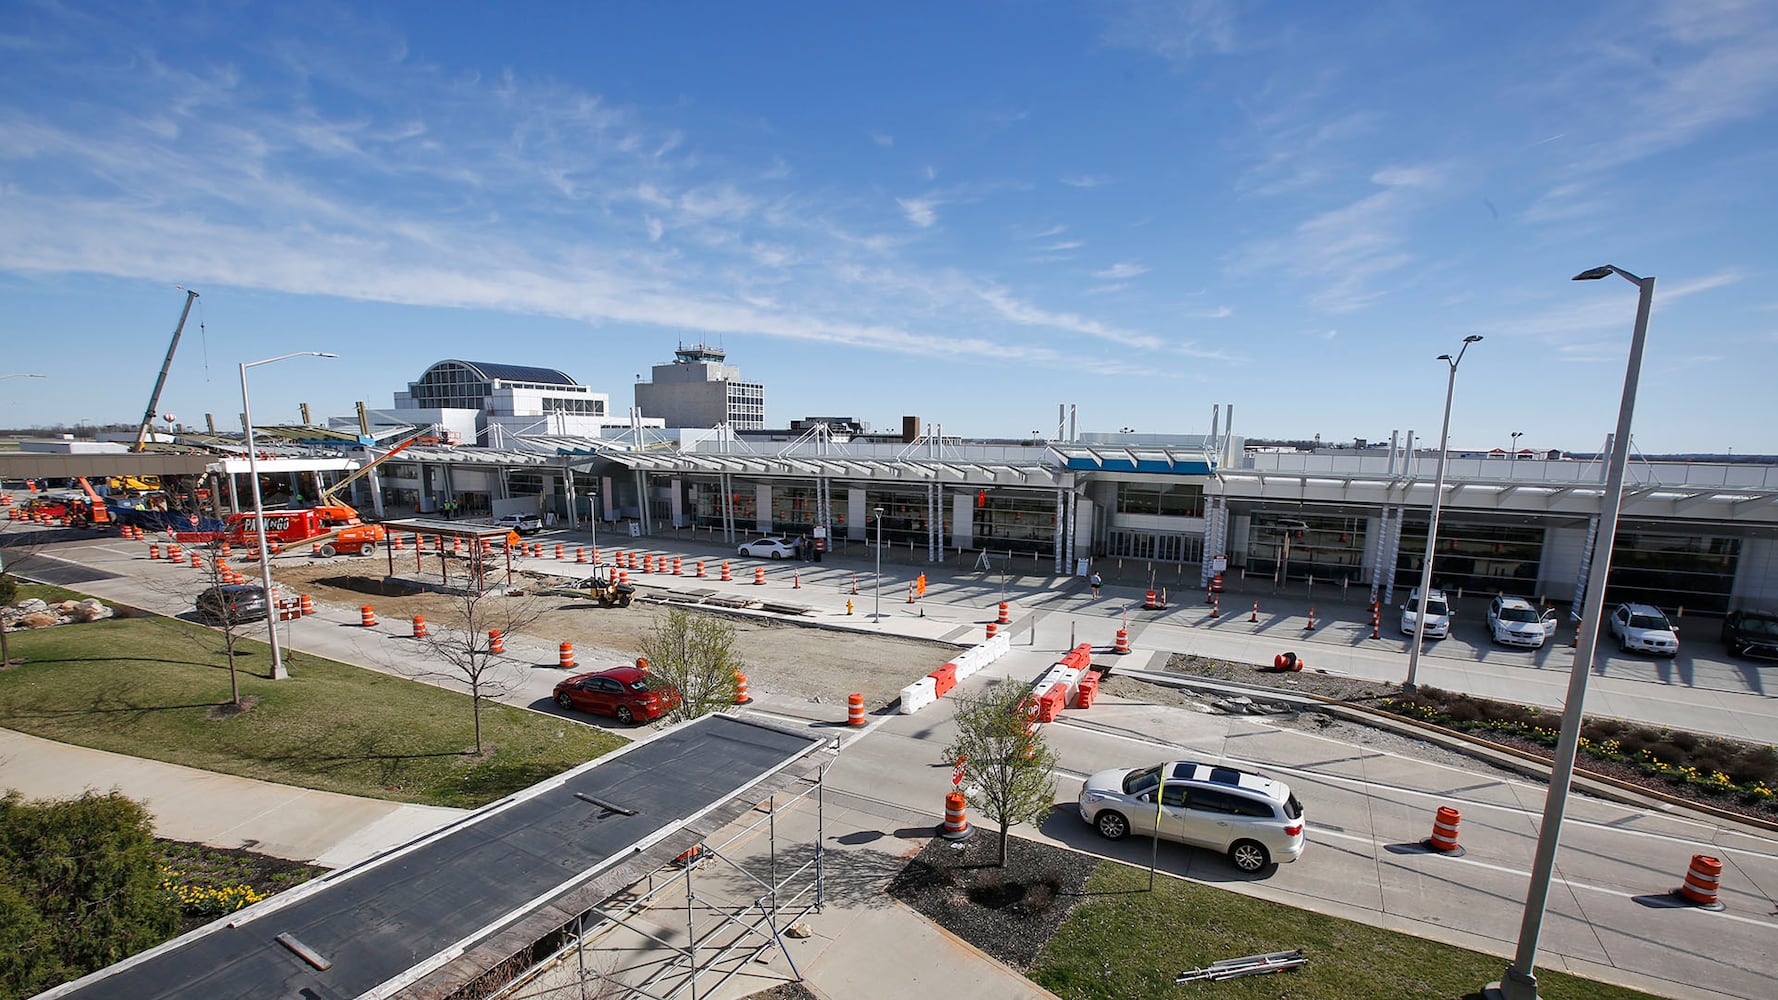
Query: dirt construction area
{"points": [[785, 659]]}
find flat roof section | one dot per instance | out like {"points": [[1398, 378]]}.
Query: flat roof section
{"points": [[397, 916]]}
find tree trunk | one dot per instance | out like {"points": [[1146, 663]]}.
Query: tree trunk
{"points": [[5, 649], [1005, 836], [234, 680], [475, 700]]}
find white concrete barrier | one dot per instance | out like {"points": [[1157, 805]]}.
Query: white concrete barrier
{"points": [[918, 695]]}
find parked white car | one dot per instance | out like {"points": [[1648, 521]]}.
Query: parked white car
{"points": [[1641, 628], [1515, 621], [1438, 614], [768, 547], [1248, 816], [524, 524]]}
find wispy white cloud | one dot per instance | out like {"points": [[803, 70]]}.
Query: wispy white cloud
{"points": [[882, 138], [1083, 180], [1178, 31], [1121, 271], [922, 212], [1352, 248], [1061, 246]]}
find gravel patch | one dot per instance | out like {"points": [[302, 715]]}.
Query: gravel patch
{"points": [[1011, 912]]}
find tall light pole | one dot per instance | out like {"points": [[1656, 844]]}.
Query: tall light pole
{"points": [[1520, 981], [877, 615], [265, 558], [1514, 456], [1438, 497]]}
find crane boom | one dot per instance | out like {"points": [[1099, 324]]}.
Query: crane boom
{"points": [[327, 495], [160, 383]]}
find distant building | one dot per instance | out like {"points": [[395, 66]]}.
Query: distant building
{"points": [[509, 400], [698, 389]]}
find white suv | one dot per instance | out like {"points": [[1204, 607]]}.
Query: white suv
{"points": [[1438, 614], [1248, 816], [524, 524], [1641, 628], [1514, 621]]}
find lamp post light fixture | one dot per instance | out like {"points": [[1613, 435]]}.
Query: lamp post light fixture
{"points": [[1438, 496], [877, 615], [1520, 981], [265, 559], [1514, 455]]}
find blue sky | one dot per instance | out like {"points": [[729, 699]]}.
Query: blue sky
{"points": [[968, 212]]}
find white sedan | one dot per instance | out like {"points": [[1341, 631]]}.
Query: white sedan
{"points": [[768, 547]]}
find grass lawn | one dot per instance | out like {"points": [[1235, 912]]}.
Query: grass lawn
{"points": [[48, 593], [150, 687], [1126, 942]]}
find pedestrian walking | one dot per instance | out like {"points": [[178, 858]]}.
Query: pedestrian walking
{"points": [[1094, 582]]}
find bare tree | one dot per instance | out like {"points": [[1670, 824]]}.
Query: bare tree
{"points": [[17, 549], [1009, 770], [228, 611], [695, 654], [461, 647]]}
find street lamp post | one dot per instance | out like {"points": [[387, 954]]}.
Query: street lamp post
{"points": [[1520, 981], [265, 558], [877, 615], [1514, 456], [1438, 497]]}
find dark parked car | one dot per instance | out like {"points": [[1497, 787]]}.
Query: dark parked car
{"points": [[1751, 633], [627, 694], [231, 602]]}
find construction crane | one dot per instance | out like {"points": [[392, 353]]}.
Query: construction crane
{"points": [[160, 383]]}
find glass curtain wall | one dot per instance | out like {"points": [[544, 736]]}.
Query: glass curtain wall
{"points": [[1298, 545], [1472, 557], [1023, 525], [1671, 571]]}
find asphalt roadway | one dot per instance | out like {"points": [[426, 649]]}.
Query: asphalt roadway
{"points": [[1610, 913]]}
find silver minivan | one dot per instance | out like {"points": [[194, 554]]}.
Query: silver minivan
{"points": [[1253, 819]]}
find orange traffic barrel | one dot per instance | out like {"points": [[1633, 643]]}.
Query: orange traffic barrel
{"points": [[306, 605], [175, 553], [1151, 600], [725, 573], [154, 552], [700, 569], [1702, 880], [855, 710], [1005, 618], [579, 554], [992, 629], [565, 656], [196, 563], [560, 551], [956, 817], [419, 626], [395, 542], [759, 575], [496, 645], [367, 616], [595, 555], [1288, 661], [741, 696], [1444, 831], [1123, 641], [678, 565]]}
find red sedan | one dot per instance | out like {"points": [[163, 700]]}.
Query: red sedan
{"points": [[625, 693]]}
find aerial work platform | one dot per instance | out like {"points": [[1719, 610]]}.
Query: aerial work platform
{"points": [[431, 916]]}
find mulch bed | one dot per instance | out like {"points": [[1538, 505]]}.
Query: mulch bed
{"points": [[1011, 912]]}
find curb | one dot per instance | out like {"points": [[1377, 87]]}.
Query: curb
{"points": [[1508, 758]]}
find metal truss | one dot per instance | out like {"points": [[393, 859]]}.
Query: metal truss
{"points": [[747, 925]]}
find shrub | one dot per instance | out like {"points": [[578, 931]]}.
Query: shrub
{"points": [[1600, 730], [1668, 753], [1038, 898], [1687, 742], [1464, 712], [1755, 765]]}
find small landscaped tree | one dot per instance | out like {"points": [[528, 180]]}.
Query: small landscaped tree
{"points": [[695, 654], [461, 647], [1008, 769]]}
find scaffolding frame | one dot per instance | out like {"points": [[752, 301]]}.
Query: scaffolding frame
{"points": [[761, 921]]}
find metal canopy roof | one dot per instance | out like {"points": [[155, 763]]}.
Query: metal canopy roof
{"points": [[1148, 460], [912, 470], [384, 925]]}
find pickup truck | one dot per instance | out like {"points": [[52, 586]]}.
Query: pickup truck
{"points": [[524, 524]]}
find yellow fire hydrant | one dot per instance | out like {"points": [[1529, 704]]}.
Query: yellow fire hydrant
{"points": [[848, 606]]}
